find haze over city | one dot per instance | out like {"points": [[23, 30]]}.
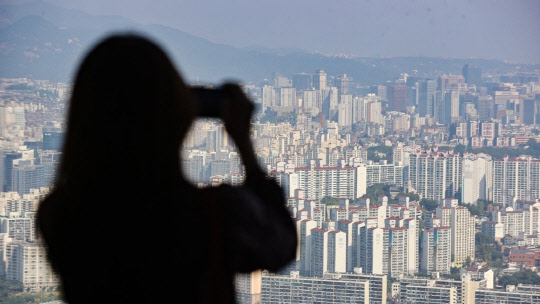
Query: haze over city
{"points": [[487, 29]]}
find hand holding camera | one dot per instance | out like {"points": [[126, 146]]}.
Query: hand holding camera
{"points": [[231, 104], [227, 102]]}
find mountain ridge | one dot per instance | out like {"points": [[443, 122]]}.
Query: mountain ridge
{"points": [[43, 41]]}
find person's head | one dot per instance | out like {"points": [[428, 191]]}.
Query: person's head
{"points": [[129, 108]]}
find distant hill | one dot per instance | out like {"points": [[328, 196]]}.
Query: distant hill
{"points": [[42, 41]]}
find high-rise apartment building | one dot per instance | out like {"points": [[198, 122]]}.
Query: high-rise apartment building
{"points": [[27, 263], [345, 111], [304, 228], [248, 287], [312, 101], [435, 174], [269, 97], [516, 179], [384, 173], [436, 250], [19, 226], [318, 182], [287, 97], [462, 225], [385, 250], [328, 252], [477, 178]]}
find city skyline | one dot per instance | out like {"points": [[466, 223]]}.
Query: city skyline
{"points": [[385, 195]]}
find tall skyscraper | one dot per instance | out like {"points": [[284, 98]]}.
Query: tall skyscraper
{"points": [[472, 74], [426, 97], [319, 80], [485, 106], [397, 97], [7, 166], [450, 107], [530, 111]]}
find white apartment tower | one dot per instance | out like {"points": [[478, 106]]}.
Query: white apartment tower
{"points": [[305, 238], [269, 97], [27, 263], [436, 250], [318, 182], [463, 233], [435, 174], [345, 112], [412, 244], [516, 178], [398, 154], [477, 178], [372, 247], [384, 173], [385, 250], [287, 97], [328, 252], [462, 225]]}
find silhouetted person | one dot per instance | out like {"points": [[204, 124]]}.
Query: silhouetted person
{"points": [[122, 224]]}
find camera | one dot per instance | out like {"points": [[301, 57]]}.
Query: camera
{"points": [[208, 101]]}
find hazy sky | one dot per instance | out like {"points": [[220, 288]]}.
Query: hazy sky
{"points": [[491, 29]]}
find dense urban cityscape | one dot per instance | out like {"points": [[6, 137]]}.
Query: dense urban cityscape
{"points": [[425, 189]]}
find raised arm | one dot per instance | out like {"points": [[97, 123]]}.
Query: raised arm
{"points": [[264, 234], [237, 113]]}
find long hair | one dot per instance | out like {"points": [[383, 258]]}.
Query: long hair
{"points": [[128, 114]]}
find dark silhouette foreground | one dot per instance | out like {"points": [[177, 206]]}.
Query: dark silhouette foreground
{"points": [[122, 224]]}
